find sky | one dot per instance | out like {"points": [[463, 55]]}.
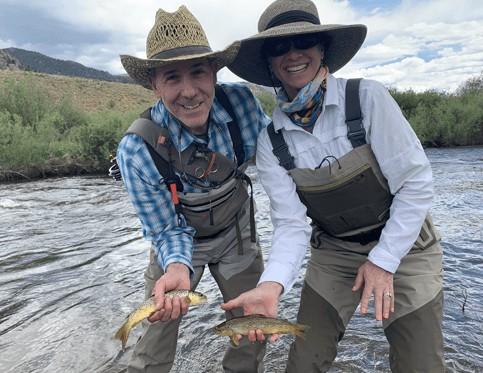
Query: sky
{"points": [[411, 44]]}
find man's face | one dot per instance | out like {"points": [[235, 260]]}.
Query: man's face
{"points": [[187, 89]]}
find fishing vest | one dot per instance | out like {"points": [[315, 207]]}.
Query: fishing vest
{"points": [[346, 197], [223, 182]]}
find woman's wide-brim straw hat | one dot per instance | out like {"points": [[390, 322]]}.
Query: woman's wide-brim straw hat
{"points": [[288, 18], [175, 37]]}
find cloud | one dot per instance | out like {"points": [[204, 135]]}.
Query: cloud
{"points": [[424, 44], [439, 48], [28, 25]]}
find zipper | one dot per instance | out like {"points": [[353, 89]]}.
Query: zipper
{"points": [[209, 206], [336, 183]]}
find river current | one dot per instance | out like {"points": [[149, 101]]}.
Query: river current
{"points": [[71, 268]]}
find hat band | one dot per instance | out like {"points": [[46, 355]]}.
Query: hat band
{"points": [[182, 51], [293, 16]]}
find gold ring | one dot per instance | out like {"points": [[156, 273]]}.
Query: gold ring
{"points": [[388, 294]]}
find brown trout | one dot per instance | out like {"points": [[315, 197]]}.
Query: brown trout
{"points": [[193, 298], [268, 325]]}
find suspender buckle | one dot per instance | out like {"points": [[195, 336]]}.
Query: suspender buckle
{"points": [[354, 123], [284, 157], [358, 135]]}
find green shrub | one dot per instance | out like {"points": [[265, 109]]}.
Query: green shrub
{"points": [[100, 137], [24, 145], [25, 99], [267, 101], [69, 116]]}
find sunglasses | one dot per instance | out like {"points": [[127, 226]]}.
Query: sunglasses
{"points": [[280, 46]]}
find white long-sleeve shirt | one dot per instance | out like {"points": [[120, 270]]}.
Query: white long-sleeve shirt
{"points": [[400, 156]]}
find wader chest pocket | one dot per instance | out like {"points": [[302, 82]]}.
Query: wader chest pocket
{"points": [[215, 211], [347, 204]]}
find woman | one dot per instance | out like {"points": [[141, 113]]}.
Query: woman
{"points": [[346, 157]]}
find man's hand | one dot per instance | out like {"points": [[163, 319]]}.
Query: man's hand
{"points": [[177, 276], [262, 300], [379, 282]]}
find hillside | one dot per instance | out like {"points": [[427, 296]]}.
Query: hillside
{"points": [[87, 94], [9, 62], [93, 95], [38, 62]]}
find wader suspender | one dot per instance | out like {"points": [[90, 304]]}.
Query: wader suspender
{"points": [[240, 157], [353, 117], [172, 181], [232, 126], [355, 130]]}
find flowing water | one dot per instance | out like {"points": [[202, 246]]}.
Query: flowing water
{"points": [[72, 261]]}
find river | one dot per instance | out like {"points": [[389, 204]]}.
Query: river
{"points": [[71, 268]]}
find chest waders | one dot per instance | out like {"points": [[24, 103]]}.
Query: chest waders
{"points": [[224, 182], [348, 200]]}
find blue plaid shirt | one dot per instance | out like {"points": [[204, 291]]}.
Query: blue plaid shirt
{"points": [[173, 242]]}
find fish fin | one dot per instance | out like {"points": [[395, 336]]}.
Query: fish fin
{"points": [[122, 334], [234, 340], [300, 330], [188, 300]]}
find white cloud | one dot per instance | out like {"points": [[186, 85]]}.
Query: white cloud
{"points": [[430, 44], [5, 43]]}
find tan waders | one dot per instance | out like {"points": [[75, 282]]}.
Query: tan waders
{"points": [[234, 273], [328, 303]]}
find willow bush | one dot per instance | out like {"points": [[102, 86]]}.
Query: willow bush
{"points": [[441, 119], [99, 138], [25, 99], [38, 133]]}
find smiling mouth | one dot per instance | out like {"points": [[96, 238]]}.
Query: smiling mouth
{"points": [[191, 107], [298, 68]]}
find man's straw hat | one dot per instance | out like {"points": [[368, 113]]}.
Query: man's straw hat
{"points": [[176, 36], [285, 18]]}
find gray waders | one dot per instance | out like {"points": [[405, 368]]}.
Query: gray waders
{"points": [[234, 273], [348, 200]]}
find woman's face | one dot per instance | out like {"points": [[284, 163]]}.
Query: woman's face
{"points": [[298, 65]]}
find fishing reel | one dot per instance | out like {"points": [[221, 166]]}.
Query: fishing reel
{"points": [[114, 170]]}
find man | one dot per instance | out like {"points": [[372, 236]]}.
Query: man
{"points": [[346, 157], [182, 164]]}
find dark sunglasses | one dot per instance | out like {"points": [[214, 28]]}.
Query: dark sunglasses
{"points": [[280, 46]]}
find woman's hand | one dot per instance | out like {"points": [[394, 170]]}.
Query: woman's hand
{"points": [[262, 300]]}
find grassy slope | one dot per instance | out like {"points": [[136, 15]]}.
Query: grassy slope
{"points": [[88, 94]]}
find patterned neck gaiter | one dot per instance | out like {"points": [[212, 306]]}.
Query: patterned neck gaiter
{"points": [[306, 107]]}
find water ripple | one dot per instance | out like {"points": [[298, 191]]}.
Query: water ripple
{"points": [[72, 259]]}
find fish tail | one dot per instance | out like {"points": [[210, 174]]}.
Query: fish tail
{"points": [[123, 333], [300, 330]]}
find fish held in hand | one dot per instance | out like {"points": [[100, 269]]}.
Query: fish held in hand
{"points": [[193, 298], [268, 325]]}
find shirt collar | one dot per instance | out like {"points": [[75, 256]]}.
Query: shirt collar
{"points": [[180, 136], [332, 92]]}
